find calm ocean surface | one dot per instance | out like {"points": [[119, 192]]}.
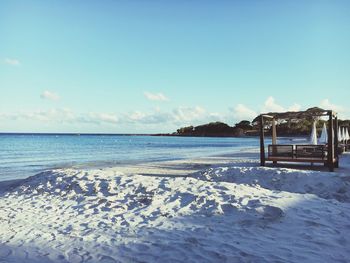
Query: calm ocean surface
{"points": [[25, 155]]}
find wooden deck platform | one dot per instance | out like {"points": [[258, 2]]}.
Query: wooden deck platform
{"points": [[298, 160]]}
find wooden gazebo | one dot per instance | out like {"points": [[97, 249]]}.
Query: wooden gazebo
{"points": [[307, 153]]}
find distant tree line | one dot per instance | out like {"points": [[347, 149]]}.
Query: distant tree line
{"points": [[285, 127], [215, 129]]}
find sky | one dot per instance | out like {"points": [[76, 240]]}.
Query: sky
{"points": [[154, 66]]}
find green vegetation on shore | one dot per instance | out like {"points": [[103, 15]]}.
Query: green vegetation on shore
{"points": [[286, 127]]}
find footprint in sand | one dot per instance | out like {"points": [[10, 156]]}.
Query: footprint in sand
{"points": [[74, 258], [245, 200], [107, 259], [4, 252], [228, 208], [220, 187], [187, 199], [270, 212]]}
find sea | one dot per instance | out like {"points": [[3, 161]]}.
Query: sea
{"points": [[24, 155]]}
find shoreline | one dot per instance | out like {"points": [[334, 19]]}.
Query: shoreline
{"points": [[106, 154], [146, 134], [141, 164]]}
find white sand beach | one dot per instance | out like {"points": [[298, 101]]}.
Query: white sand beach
{"points": [[214, 209]]}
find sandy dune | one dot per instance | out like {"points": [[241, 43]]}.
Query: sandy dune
{"points": [[225, 209]]}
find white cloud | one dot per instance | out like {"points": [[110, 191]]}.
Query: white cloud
{"points": [[343, 113], [294, 107], [49, 95], [242, 112], [155, 96], [178, 116], [327, 105], [136, 116], [156, 117], [186, 114], [51, 115], [271, 106], [12, 62], [215, 116], [106, 117], [7, 116], [62, 115], [101, 118]]}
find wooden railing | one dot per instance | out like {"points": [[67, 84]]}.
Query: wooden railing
{"points": [[312, 151], [297, 151], [281, 150]]}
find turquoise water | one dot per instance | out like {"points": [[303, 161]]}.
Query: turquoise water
{"points": [[25, 155]]}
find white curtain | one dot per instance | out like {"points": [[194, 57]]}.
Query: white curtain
{"points": [[324, 136], [340, 137], [274, 133], [313, 136], [347, 136]]}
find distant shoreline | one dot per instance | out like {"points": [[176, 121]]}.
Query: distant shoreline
{"points": [[74, 134], [138, 134], [119, 134]]}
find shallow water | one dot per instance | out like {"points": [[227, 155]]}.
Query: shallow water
{"points": [[25, 155]]}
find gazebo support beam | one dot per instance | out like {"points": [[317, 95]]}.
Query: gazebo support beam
{"points": [[336, 143], [262, 141], [330, 142]]}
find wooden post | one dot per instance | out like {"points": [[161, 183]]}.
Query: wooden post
{"points": [[274, 132], [274, 138], [336, 143], [262, 143], [330, 142]]}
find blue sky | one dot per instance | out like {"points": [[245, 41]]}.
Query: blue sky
{"points": [[153, 66]]}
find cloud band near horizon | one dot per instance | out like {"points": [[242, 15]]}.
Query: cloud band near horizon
{"points": [[177, 117]]}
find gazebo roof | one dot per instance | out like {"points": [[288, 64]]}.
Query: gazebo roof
{"points": [[309, 113]]}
